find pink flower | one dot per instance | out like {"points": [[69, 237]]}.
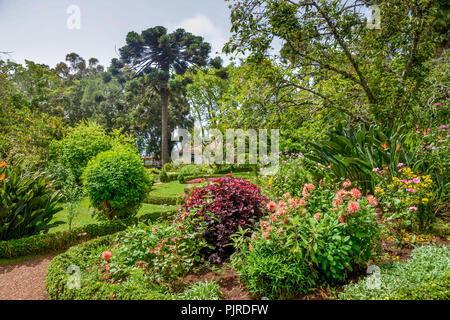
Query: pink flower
{"points": [[292, 203], [411, 190], [310, 186], [375, 169], [337, 202], [287, 195], [437, 104], [389, 219], [416, 180], [82, 234], [107, 255], [399, 170], [356, 193], [413, 208], [400, 164], [341, 218], [341, 194], [271, 206], [347, 184], [305, 192], [317, 216], [372, 200], [353, 206], [282, 204], [302, 202]]}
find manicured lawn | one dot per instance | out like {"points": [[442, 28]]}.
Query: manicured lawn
{"points": [[174, 188], [84, 215]]}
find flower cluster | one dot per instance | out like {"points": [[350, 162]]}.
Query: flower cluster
{"points": [[406, 196]]}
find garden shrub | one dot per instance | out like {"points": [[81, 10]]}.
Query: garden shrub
{"points": [[116, 182], [163, 177], [424, 276], [224, 205], [324, 233], [81, 144], [163, 199], [274, 271], [145, 262], [27, 201]]}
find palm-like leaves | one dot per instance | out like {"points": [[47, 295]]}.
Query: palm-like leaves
{"points": [[354, 151], [27, 203]]}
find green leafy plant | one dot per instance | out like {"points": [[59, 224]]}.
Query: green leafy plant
{"points": [[116, 182], [27, 201], [354, 152], [310, 240], [81, 144]]}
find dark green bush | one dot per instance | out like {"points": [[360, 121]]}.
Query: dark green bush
{"points": [[27, 201], [116, 182]]}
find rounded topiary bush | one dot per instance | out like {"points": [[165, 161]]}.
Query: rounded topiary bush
{"points": [[116, 182], [225, 205]]}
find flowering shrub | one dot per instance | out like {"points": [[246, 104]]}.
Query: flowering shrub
{"points": [[319, 237], [224, 205], [407, 198], [166, 252]]}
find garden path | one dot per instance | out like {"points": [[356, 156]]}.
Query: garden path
{"points": [[24, 280]]}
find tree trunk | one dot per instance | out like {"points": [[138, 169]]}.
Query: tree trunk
{"points": [[164, 127]]}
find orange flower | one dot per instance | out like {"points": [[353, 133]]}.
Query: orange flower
{"points": [[2, 176], [384, 145], [424, 131], [398, 147], [3, 164]]}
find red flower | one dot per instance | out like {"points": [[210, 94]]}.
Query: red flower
{"points": [[107, 255], [317, 216], [353, 206], [356, 193]]}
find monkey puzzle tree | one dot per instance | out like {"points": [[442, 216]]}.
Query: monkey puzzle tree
{"points": [[157, 56]]}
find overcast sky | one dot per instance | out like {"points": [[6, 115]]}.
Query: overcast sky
{"points": [[46, 30]]}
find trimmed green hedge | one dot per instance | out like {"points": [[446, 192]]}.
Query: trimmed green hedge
{"points": [[163, 199], [44, 243]]}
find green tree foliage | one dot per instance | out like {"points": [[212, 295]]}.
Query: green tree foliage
{"points": [[337, 61], [26, 129], [155, 55], [81, 144]]}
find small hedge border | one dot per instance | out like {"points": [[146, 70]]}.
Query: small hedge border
{"points": [[46, 243], [162, 199]]}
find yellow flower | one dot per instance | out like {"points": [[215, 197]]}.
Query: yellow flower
{"points": [[425, 200]]}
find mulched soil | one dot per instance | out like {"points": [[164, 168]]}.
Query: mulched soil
{"points": [[24, 280], [228, 280]]}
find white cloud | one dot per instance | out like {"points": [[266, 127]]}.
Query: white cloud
{"points": [[201, 25]]}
